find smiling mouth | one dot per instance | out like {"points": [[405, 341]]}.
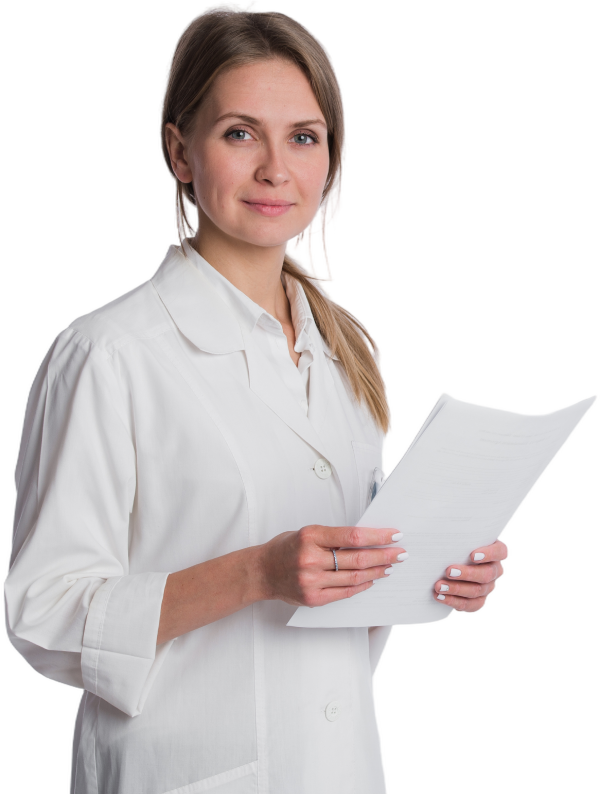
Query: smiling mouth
{"points": [[269, 207]]}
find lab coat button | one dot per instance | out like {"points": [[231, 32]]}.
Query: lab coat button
{"points": [[332, 712], [323, 469]]}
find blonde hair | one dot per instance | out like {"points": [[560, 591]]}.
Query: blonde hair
{"points": [[222, 39]]}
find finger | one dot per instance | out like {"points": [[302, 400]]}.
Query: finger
{"points": [[484, 572], [350, 559], [470, 606], [462, 589], [355, 577], [329, 594], [342, 537], [497, 551]]}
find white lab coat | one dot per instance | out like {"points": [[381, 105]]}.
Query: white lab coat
{"points": [[158, 435]]}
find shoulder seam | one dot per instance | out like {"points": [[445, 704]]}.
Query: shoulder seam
{"points": [[117, 344]]}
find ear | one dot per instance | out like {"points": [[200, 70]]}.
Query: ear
{"points": [[177, 153]]}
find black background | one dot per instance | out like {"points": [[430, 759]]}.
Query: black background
{"points": [[465, 244]]}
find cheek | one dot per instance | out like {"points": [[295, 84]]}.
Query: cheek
{"points": [[217, 179], [311, 180]]}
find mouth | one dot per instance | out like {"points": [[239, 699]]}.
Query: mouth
{"points": [[269, 207]]}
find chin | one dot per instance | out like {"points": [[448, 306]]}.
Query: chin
{"points": [[268, 241], [267, 235]]}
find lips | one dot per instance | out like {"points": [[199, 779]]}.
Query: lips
{"points": [[269, 202], [268, 207]]}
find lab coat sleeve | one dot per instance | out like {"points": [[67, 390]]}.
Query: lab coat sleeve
{"points": [[73, 609]]}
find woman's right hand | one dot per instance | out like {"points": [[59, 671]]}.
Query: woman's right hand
{"points": [[298, 567]]}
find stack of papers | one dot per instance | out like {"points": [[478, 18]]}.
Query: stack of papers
{"points": [[455, 489]]}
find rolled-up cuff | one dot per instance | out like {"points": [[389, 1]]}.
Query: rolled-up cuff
{"points": [[120, 658]]}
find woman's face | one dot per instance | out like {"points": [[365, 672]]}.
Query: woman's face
{"points": [[257, 155]]}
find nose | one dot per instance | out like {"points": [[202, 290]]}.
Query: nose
{"points": [[272, 169]]}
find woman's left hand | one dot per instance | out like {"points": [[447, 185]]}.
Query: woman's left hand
{"points": [[467, 586]]}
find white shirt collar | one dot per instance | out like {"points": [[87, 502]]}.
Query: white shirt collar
{"points": [[302, 316]]}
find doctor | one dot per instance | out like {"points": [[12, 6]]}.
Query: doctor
{"points": [[195, 452]]}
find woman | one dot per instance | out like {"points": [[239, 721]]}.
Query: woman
{"points": [[194, 450]]}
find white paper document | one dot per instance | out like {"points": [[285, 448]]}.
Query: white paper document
{"points": [[455, 489]]}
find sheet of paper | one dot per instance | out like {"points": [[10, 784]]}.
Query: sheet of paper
{"points": [[457, 486]]}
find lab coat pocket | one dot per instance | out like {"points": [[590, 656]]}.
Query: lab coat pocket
{"points": [[370, 476], [240, 780]]}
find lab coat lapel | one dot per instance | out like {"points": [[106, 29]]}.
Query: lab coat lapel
{"points": [[266, 383]]}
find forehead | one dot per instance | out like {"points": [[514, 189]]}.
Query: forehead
{"points": [[273, 89]]}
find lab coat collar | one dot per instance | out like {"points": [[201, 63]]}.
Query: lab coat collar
{"points": [[202, 315], [195, 306]]}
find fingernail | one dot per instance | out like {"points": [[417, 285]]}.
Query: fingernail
{"points": [[441, 597], [389, 570], [398, 535], [403, 556], [479, 556], [444, 587], [454, 572]]}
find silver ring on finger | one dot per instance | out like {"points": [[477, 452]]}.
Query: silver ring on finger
{"points": [[335, 559]]}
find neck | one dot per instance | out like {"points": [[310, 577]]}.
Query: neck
{"points": [[254, 270]]}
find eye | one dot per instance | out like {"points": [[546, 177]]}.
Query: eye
{"points": [[238, 135], [304, 139]]}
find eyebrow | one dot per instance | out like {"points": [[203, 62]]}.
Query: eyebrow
{"points": [[252, 120]]}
